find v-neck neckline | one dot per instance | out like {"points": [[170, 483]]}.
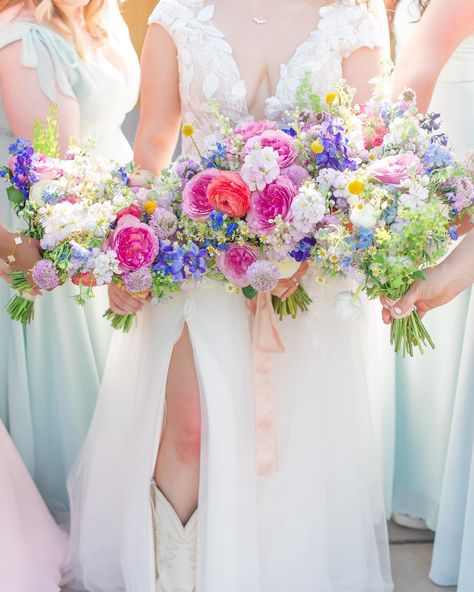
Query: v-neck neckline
{"points": [[284, 66]]}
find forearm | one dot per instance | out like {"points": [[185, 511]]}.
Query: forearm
{"points": [[7, 241], [420, 75], [153, 154], [459, 266]]}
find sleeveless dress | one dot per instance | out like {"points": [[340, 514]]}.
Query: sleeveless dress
{"points": [[32, 547], [425, 399], [318, 523], [50, 371]]}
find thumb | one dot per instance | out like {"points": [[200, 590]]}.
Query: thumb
{"points": [[408, 302]]}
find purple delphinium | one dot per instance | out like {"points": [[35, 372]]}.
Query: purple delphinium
{"points": [[45, 276], [263, 276], [20, 162], [138, 281]]}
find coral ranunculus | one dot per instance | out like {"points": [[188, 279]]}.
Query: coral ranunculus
{"points": [[135, 243], [393, 170], [235, 262], [195, 202], [275, 200], [228, 193]]}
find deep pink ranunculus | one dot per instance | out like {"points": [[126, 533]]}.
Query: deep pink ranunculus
{"points": [[134, 242], [254, 128], [228, 193], [234, 263], [392, 170], [195, 202], [275, 200], [280, 142], [132, 210]]}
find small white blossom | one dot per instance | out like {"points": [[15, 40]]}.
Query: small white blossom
{"points": [[260, 168], [104, 266], [308, 208], [363, 214]]}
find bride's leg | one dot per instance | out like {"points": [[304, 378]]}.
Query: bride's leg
{"points": [[177, 467]]}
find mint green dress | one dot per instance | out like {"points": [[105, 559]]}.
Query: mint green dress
{"points": [[50, 371]]}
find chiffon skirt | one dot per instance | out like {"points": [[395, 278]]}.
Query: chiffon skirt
{"points": [[454, 543], [32, 547], [317, 523]]}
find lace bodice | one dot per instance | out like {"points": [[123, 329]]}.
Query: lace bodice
{"points": [[208, 70]]}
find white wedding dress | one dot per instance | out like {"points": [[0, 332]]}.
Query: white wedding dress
{"points": [[318, 523]]}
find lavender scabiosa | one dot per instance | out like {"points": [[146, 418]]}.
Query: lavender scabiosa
{"points": [[163, 223], [138, 281], [45, 276], [263, 276]]}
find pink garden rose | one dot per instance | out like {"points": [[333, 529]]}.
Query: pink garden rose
{"points": [[393, 170], [228, 193], [134, 242], [47, 168], [195, 202], [275, 200], [235, 262], [254, 128], [280, 142]]}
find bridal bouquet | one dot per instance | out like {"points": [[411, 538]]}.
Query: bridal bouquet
{"points": [[399, 215]]}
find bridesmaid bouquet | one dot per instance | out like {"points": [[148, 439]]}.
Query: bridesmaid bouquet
{"points": [[399, 215]]}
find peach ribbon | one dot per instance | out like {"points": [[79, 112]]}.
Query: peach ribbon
{"points": [[265, 341]]}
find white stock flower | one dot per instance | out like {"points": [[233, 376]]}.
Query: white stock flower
{"points": [[260, 168], [308, 208], [104, 266]]}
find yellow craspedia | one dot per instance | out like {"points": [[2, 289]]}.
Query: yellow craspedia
{"points": [[356, 186], [317, 147], [188, 130], [331, 97], [149, 207]]}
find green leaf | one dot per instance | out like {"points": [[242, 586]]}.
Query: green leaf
{"points": [[249, 292], [15, 196], [419, 275]]}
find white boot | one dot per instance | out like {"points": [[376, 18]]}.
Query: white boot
{"points": [[175, 546]]}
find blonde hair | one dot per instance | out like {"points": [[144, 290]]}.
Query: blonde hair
{"points": [[49, 13]]}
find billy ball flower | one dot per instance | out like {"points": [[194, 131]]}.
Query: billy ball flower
{"points": [[45, 276], [138, 281], [188, 130], [317, 147], [263, 276], [356, 186], [163, 222], [331, 97]]}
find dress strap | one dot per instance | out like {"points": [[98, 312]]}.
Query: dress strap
{"points": [[54, 58]]}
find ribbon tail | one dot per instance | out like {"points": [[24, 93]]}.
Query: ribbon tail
{"points": [[266, 341]]}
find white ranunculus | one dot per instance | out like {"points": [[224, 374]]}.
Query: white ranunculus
{"points": [[364, 215], [348, 306]]}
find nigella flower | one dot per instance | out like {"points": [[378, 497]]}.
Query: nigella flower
{"points": [[3, 173], [163, 223], [263, 276], [44, 275], [453, 232], [231, 228], [138, 281], [122, 174], [187, 169]]}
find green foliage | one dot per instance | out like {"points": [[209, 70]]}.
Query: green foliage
{"points": [[46, 134], [306, 97]]}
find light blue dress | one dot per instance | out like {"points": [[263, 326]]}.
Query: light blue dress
{"points": [[426, 385], [50, 370]]}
